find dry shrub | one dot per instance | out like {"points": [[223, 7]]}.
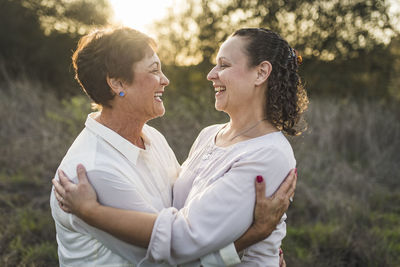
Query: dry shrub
{"points": [[348, 166], [36, 127], [36, 130], [346, 205]]}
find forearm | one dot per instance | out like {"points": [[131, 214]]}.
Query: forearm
{"points": [[251, 237], [133, 227]]}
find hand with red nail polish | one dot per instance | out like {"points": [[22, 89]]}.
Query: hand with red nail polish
{"points": [[267, 211]]}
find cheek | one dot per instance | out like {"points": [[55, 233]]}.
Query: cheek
{"points": [[153, 82], [225, 77], [231, 76], [147, 84]]}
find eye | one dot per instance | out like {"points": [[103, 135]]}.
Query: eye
{"points": [[155, 71], [223, 65]]}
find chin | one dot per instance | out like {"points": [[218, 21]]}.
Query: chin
{"points": [[156, 114], [219, 107], [160, 113]]}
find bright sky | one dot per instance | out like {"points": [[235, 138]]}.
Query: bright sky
{"points": [[138, 14]]}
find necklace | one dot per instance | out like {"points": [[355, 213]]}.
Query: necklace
{"points": [[245, 130], [209, 149]]}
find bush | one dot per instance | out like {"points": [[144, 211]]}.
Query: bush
{"points": [[36, 130], [36, 127], [346, 208]]}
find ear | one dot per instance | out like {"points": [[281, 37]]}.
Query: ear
{"points": [[115, 84], [263, 71]]}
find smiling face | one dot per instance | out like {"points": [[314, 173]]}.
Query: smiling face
{"points": [[233, 79], [143, 96]]}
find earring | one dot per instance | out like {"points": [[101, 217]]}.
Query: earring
{"points": [[121, 94]]}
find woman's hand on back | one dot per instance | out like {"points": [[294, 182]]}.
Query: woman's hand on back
{"points": [[73, 198], [268, 211]]}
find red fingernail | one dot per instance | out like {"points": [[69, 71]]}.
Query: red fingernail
{"points": [[260, 179], [295, 171]]}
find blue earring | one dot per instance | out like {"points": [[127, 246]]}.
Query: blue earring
{"points": [[121, 94]]}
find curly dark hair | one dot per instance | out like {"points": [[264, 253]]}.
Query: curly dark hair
{"points": [[286, 98], [108, 52]]}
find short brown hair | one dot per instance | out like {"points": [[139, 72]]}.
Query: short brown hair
{"points": [[112, 53]]}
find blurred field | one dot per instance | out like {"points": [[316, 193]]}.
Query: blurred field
{"points": [[347, 205]]}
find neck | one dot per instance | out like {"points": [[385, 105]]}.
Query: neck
{"points": [[125, 124], [241, 120], [243, 127], [249, 112]]}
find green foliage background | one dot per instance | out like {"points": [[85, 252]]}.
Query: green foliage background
{"points": [[346, 209]]}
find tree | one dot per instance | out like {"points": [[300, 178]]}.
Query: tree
{"points": [[394, 85], [323, 29], [75, 17], [38, 37]]}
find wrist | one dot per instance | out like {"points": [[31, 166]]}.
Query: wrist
{"points": [[253, 235], [261, 231], [87, 211]]}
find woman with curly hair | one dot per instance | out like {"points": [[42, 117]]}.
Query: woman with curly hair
{"points": [[256, 83]]}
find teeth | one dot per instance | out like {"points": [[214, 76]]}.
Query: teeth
{"points": [[220, 88], [157, 94]]}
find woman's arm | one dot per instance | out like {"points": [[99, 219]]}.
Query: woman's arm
{"points": [[268, 211], [112, 190], [219, 209], [136, 227]]}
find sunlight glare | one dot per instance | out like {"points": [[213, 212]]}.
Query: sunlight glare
{"points": [[139, 14]]}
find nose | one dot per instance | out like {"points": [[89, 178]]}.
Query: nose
{"points": [[213, 74], [164, 80]]}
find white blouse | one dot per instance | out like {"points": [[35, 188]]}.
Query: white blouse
{"points": [[124, 176], [214, 199]]}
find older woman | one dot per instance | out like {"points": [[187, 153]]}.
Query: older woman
{"points": [[131, 165]]}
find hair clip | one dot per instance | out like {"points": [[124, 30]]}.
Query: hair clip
{"points": [[293, 54], [299, 59]]}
